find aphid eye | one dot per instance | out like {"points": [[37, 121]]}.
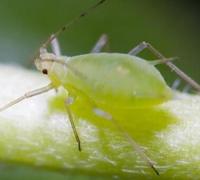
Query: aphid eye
{"points": [[44, 71]]}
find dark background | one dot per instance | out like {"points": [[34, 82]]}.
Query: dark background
{"points": [[171, 26]]}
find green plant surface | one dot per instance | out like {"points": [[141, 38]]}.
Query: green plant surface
{"points": [[37, 140]]}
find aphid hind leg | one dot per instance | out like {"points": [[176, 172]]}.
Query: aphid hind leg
{"points": [[186, 88], [28, 95], [136, 147], [173, 67], [67, 103], [100, 44], [55, 46], [176, 84]]}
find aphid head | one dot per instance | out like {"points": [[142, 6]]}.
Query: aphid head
{"points": [[44, 62]]}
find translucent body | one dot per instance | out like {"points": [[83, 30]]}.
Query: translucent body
{"points": [[112, 80]]}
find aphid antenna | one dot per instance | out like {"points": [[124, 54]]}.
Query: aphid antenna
{"points": [[66, 26], [43, 50]]}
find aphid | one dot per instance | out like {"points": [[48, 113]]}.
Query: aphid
{"points": [[104, 80]]}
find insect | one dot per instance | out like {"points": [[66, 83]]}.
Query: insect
{"points": [[104, 80]]}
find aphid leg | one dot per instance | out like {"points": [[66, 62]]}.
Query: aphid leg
{"points": [[139, 48], [186, 89], [176, 84], [161, 61], [173, 67], [67, 103], [28, 95], [100, 44], [136, 147], [55, 46], [140, 151]]}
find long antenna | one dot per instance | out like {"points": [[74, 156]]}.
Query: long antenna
{"points": [[66, 26]]}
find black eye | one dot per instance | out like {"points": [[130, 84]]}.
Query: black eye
{"points": [[44, 71]]}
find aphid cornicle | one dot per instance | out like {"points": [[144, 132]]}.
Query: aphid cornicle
{"points": [[105, 80]]}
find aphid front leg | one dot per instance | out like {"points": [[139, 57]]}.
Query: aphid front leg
{"points": [[100, 44], [28, 95], [55, 46], [178, 71], [67, 104]]}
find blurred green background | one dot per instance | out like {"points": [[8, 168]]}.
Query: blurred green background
{"points": [[171, 26]]}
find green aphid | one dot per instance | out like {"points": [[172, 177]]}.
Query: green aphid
{"points": [[109, 79], [103, 83]]}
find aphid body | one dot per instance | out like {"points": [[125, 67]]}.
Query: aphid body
{"points": [[108, 79]]}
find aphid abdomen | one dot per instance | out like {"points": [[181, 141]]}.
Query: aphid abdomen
{"points": [[118, 80]]}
